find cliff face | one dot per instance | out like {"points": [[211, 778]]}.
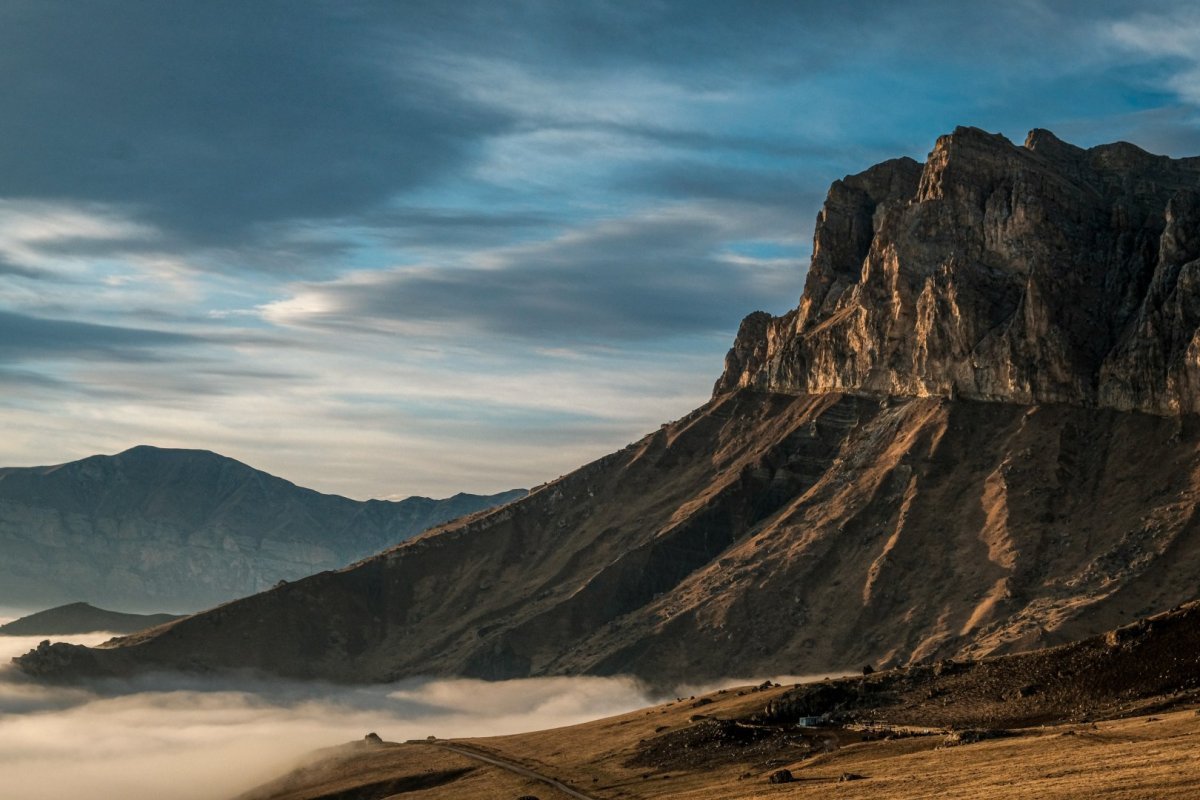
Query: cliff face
{"points": [[1036, 274], [185, 529]]}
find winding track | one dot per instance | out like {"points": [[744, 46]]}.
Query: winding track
{"points": [[514, 768]]}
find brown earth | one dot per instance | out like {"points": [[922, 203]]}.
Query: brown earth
{"points": [[1132, 759]]}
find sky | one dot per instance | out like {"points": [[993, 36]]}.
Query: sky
{"points": [[384, 249]]}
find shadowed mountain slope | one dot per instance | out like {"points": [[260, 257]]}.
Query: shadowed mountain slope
{"points": [[185, 529], [957, 445], [764, 534]]}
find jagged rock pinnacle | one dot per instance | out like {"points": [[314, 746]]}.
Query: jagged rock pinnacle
{"points": [[1043, 273]]}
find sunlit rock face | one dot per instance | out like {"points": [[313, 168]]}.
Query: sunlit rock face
{"points": [[1025, 274]]}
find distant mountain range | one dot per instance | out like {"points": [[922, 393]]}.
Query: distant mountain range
{"points": [[81, 618], [155, 529]]}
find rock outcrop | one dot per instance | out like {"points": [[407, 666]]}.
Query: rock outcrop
{"points": [[974, 435], [155, 528], [1036, 274]]}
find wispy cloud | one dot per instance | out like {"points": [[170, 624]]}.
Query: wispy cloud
{"points": [[23, 338], [41, 236], [660, 275], [1171, 39]]}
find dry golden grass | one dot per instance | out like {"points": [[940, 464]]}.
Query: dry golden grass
{"points": [[360, 773], [1122, 760]]}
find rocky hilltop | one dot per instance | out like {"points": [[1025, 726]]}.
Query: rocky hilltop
{"points": [[975, 435], [1038, 274], [185, 529]]}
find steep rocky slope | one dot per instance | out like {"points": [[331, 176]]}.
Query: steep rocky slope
{"points": [[154, 528], [764, 534], [975, 435]]}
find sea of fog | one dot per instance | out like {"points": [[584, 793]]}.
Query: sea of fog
{"points": [[187, 738]]}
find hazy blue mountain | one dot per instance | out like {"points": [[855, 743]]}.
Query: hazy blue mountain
{"points": [[157, 529], [81, 618]]}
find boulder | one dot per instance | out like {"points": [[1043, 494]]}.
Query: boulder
{"points": [[781, 776]]}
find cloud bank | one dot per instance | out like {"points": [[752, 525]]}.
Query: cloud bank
{"points": [[199, 740], [192, 738]]}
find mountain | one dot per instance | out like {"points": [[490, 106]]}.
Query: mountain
{"points": [[185, 529], [975, 435], [81, 618], [1030, 275]]}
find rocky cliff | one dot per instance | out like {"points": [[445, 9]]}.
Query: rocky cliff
{"points": [[974, 435], [1038, 274], [185, 529]]}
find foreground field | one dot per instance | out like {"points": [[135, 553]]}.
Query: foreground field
{"points": [[1113, 716], [1140, 757]]}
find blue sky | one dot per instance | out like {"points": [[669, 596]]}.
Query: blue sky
{"points": [[385, 249]]}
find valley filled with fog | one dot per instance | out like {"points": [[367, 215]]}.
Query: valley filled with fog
{"points": [[196, 739]]}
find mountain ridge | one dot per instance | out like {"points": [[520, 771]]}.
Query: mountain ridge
{"points": [[80, 617], [916, 463], [1028, 274], [185, 529]]}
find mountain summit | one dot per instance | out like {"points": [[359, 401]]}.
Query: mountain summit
{"points": [[1038, 274], [974, 435]]}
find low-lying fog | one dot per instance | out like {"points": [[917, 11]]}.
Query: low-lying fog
{"points": [[166, 738], [171, 738]]}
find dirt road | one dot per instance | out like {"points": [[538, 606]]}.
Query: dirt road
{"points": [[514, 768]]}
